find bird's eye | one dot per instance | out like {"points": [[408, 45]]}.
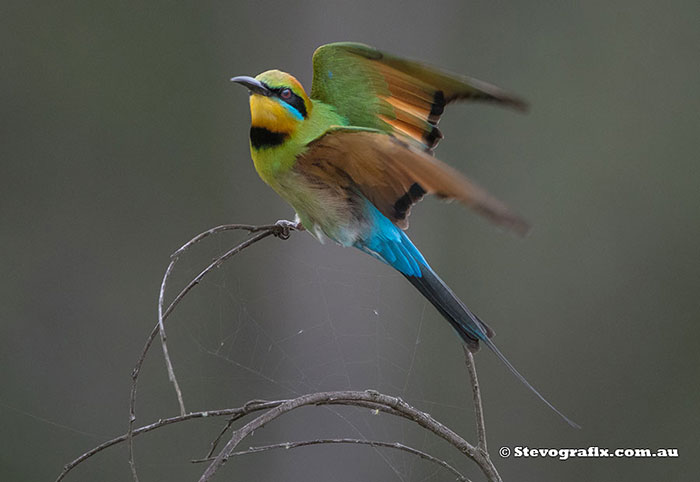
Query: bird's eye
{"points": [[286, 94]]}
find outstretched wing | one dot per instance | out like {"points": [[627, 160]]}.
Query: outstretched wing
{"points": [[394, 175], [402, 97]]}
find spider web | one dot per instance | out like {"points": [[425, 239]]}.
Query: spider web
{"points": [[285, 319]]}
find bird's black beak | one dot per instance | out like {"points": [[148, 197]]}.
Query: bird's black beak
{"points": [[254, 86]]}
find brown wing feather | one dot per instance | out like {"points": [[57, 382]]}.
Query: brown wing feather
{"points": [[394, 175]]}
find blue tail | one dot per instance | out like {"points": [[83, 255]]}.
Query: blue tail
{"points": [[390, 245]]}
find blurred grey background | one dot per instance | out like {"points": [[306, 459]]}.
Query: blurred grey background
{"points": [[122, 138]]}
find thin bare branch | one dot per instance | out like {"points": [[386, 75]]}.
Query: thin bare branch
{"points": [[331, 441], [375, 407], [280, 229], [366, 399], [349, 397], [214, 443], [249, 407], [476, 395], [163, 338]]}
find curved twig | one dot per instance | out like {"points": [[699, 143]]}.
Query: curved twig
{"points": [[332, 441], [362, 404], [163, 339], [249, 407], [343, 397], [366, 399], [280, 229], [476, 395]]}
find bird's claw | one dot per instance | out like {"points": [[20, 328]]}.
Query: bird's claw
{"points": [[283, 228]]}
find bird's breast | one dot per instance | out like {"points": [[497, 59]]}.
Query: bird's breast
{"points": [[323, 206]]}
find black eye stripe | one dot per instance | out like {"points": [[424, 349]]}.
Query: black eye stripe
{"points": [[295, 101]]}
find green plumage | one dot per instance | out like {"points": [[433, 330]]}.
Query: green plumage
{"points": [[358, 88], [359, 81], [357, 155]]}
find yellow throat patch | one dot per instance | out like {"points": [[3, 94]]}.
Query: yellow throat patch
{"points": [[270, 114]]}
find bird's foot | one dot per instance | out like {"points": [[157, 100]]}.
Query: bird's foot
{"points": [[283, 228]]}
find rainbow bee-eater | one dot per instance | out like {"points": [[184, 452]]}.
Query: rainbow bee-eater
{"points": [[354, 157]]}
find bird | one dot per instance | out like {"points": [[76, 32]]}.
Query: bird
{"points": [[355, 155]]}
